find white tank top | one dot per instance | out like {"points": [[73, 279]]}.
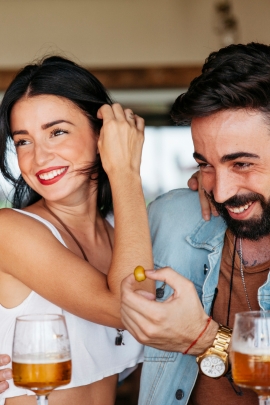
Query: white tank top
{"points": [[93, 350]]}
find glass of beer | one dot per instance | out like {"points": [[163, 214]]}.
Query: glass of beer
{"points": [[250, 353], [41, 359]]}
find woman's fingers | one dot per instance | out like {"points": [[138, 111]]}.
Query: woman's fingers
{"points": [[139, 123], [195, 184], [130, 117]]}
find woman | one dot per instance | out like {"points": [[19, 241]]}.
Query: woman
{"points": [[60, 251]]}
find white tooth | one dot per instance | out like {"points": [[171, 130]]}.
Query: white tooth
{"points": [[237, 210], [246, 207], [241, 209], [59, 171], [54, 173]]}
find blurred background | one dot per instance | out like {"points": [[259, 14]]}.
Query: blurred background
{"points": [[145, 52]]}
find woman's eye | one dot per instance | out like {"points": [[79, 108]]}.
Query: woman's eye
{"points": [[58, 131], [21, 142]]}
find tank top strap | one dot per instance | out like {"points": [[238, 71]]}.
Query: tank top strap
{"points": [[52, 228]]}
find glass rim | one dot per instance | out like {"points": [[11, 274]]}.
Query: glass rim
{"points": [[253, 314], [40, 317]]}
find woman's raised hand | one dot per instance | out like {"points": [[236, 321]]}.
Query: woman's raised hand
{"points": [[121, 138], [195, 184]]}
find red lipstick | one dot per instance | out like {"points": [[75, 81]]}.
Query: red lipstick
{"points": [[55, 179]]}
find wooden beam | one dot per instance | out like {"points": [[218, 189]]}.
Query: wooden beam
{"points": [[131, 78]]}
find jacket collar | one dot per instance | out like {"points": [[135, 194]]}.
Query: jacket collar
{"points": [[208, 234]]}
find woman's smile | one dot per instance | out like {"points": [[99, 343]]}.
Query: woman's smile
{"points": [[51, 175]]}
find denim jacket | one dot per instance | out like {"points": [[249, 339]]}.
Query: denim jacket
{"points": [[184, 241]]}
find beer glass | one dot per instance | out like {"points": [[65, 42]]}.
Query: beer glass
{"points": [[250, 353], [41, 359]]}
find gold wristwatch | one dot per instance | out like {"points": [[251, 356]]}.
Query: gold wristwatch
{"points": [[214, 362]]}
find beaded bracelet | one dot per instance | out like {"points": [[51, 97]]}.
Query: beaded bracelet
{"points": [[200, 335]]}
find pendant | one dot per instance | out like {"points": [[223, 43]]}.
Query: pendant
{"points": [[160, 291], [119, 340]]}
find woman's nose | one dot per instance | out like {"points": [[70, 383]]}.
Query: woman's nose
{"points": [[43, 154]]}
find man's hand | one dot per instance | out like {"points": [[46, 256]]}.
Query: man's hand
{"points": [[171, 325], [6, 373]]}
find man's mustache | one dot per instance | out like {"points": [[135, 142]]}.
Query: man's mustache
{"points": [[236, 200]]}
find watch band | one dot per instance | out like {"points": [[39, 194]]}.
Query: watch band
{"points": [[222, 339], [219, 348]]}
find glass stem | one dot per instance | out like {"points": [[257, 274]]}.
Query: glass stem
{"points": [[43, 400], [264, 400]]}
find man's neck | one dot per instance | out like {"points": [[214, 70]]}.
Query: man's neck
{"points": [[255, 252]]}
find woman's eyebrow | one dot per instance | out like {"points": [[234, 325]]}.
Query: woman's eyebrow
{"points": [[44, 126], [51, 124]]}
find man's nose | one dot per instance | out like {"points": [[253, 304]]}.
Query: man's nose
{"points": [[225, 186]]}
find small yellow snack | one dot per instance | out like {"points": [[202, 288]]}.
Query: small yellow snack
{"points": [[139, 273]]}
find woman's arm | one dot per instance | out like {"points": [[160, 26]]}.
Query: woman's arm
{"points": [[30, 253]]}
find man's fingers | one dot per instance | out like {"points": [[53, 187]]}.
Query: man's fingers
{"points": [[146, 294], [170, 277]]}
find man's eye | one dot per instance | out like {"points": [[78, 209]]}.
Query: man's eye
{"points": [[203, 165], [243, 165], [21, 142]]}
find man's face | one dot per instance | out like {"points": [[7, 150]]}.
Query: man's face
{"points": [[232, 148]]}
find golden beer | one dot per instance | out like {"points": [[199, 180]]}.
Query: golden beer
{"points": [[41, 378], [251, 371]]}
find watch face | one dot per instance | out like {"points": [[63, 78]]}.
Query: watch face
{"points": [[212, 366]]}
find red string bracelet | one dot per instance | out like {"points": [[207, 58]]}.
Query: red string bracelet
{"points": [[200, 335]]}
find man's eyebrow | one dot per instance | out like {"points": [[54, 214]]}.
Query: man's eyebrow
{"points": [[51, 124], [237, 155], [197, 155], [229, 157]]}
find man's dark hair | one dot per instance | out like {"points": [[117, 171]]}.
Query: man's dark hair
{"points": [[61, 77], [237, 76]]}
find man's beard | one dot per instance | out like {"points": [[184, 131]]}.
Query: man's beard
{"points": [[252, 229]]}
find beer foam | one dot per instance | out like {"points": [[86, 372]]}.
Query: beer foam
{"points": [[41, 359], [250, 349]]}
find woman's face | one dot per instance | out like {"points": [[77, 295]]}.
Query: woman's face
{"points": [[53, 139]]}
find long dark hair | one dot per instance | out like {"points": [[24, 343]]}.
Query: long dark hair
{"points": [[237, 76], [57, 76]]}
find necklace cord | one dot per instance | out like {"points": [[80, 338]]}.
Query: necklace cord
{"points": [[70, 233], [231, 281]]}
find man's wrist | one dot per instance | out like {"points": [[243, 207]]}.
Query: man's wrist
{"points": [[206, 340]]}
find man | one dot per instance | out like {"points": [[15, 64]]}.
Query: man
{"points": [[220, 266]]}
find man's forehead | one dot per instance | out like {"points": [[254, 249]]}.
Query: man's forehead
{"points": [[232, 130]]}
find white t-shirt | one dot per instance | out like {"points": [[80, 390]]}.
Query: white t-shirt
{"points": [[93, 350]]}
